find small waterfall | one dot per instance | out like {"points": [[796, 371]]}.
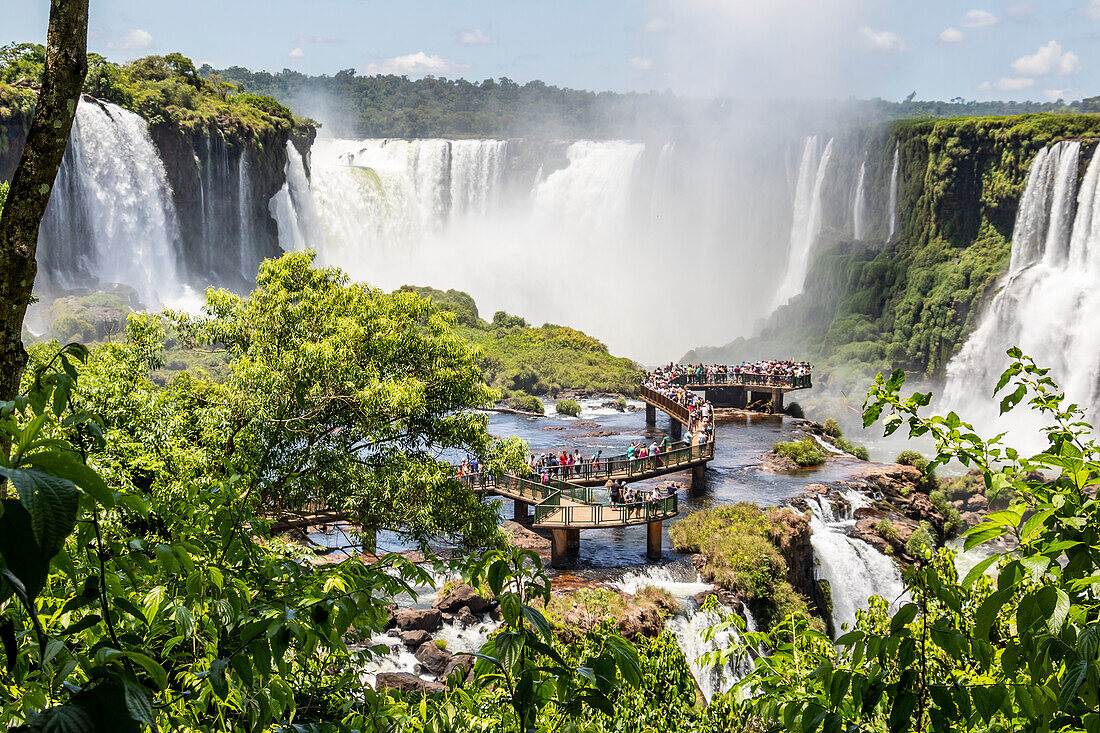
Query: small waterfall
{"points": [[293, 207], [249, 257], [855, 570], [892, 199], [111, 218], [1047, 302], [806, 221], [859, 206]]}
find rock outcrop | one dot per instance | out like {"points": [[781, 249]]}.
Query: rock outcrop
{"points": [[406, 682], [411, 619], [461, 596]]}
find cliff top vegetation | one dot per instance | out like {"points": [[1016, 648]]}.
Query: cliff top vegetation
{"points": [[159, 88], [516, 356]]}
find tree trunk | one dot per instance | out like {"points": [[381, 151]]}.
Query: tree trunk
{"points": [[62, 81]]}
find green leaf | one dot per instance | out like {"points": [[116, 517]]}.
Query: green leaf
{"points": [[1058, 614], [154, 670], [19, 550], [1075, 675], [982, 533], [217, 678], [905, 614], [138, 702], [69, 466], [85, 623], [978, 570], [626, 656], [51, 503], [987, 612], [537, 620]]}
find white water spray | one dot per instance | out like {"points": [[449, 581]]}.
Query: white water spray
{"points": [[892, 199], [859, 206]]}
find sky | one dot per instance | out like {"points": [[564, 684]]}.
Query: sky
{"points": [[751, 49]]}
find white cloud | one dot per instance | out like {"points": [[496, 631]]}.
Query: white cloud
{"points": [[1022, 9], [1092, 9], [1050, 59], [656, 25], [475, 37], [1007, 84], [1055, 94], [306, 40], [951, 35], [296, 53], [978, 19], [415, 64], [641, 64], [882, 40], [133, 40]]}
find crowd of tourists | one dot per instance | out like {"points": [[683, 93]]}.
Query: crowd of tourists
{"points": [[621, 495], [700, 412], [765, 372]]}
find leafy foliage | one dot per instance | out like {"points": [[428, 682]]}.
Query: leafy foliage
{"points": [[1015, 650], [804, 453], [568, 407]]}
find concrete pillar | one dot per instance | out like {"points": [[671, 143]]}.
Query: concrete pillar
{"points": [[521, 510], [777, 401], [676, 429], [572, 541], [739, 399], [698, 475], [558, 552], [653, 541], [650, 414]]}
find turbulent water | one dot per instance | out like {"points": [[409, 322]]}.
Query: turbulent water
{"points": [[111, 218], [855, 570], [806, 223], [1047, 303]]}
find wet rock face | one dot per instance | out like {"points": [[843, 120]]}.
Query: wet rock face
{"points": [[463, 596], [410, 619], [434, 659], [414, 639], [406, 682]]}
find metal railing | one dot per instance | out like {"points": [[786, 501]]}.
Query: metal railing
{"points": [[554, 514], [669, 405], [744, 379]]}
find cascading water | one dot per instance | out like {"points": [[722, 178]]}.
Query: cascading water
{"points": [[559, 232], [892, 199], [859, 206], [249, 260], [691, 624], [111, 218], [1048, 302], [293, 207], [855, 570], [806, 220]]}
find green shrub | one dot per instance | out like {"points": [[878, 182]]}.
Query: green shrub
{"points": [[568, 407], [887, 531], [952, 520], [832, 428], [528, 403], [803, 452], [856, 450], [910, 458], [920, 542], [795, 410], [441, 644], [861, 453], [620, 403]]}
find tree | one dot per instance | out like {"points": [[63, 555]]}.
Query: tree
{"points": [[66, 65]]}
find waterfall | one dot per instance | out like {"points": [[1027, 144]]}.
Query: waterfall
{"points": [[806, 219], [892, 199], [111, 218], [855, 570], [859, 205], [293, 207], [528, 226], [249, 257], [1046, 304]]}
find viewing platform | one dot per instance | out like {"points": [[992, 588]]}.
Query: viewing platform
{"points": [[740, 389]]}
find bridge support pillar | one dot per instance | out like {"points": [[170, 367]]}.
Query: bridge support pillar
{"points": [[698, 475], [739, 398], [676, 429], [558, 551], [521, 510], [650, 415], [653, 541], [777, 401], [573, 541]]}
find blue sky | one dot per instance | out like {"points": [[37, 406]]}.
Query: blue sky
{"points": [[1010, 49]]}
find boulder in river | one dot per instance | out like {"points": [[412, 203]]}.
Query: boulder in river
{"points": [[408, 619], [415, 638], [434, 659], [461, 596], [406, 682]]}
